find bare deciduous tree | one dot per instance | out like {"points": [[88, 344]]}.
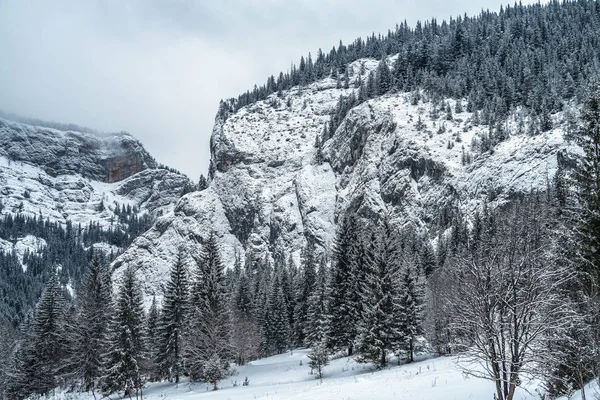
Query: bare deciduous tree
{"points": [[509, 298]]}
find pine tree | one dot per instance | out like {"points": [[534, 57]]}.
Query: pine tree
{"points": [[305, 290], [410, 311], [383, 79], [41, 351], [88, 344], [343, 307], [152, 339], [318, 359], [379, 329], [126, 359], [202, 183], [173, 319], [208, 336], [277, 329], [317, 309], [586, 233], [48, 331]]}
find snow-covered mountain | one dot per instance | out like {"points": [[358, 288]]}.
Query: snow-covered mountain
{"points": [[269, 192], [80, 176]]}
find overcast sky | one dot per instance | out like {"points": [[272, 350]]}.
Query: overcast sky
{"points": [[158, 69]]}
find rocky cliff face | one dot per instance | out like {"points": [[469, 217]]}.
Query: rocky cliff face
{"points": [[109, 158], [80, 176], [268, 193]]}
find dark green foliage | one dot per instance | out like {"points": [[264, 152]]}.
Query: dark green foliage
{"points": [[379, 329], [317, 308], [210, 326], [497, 60], [410, 311], [305, 289], [277, 330], [126, 360], [344, 305], [587, 181], [172, 322], [66, 245], [153, 340], [88, 335], [41, 351]]}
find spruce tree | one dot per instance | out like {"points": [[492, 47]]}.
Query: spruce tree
{"points": [[152, 340], [383, 78], [343, 307], [173, 318], [88, 344], [305, 290], [41, 350], [410, 311], [126, 360], [586, 232], [379, 329], [202, 183], [317, 309], [277, 329], [208, 336], [49, 337]]}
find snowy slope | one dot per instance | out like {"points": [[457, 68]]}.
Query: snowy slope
{"points": [[79, 177], [287, 376], [70, 175], [268, 193]]}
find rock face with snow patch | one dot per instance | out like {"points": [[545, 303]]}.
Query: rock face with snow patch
{"points": [[80, 176], [268, 192]]}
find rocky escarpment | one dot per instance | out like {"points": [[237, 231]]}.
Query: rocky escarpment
{"points": [[109, 158], [270, 192], [81, 177]]}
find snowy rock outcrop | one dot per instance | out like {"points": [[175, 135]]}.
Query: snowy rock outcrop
{"points": [[269, 193], [80, 176]]}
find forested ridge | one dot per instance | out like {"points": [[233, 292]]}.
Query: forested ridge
{"points": [[66, 246]]}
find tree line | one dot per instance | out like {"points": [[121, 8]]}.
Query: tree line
{"points": [[536, 56], [66, 245]]}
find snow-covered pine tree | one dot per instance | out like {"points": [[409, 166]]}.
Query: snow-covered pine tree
{"points": [[48, 338], [41, 350], [208, 336], [304, 291], [318, 359], [202, 183], [343, 302], [575, 352], [586, 230], [172, 321], [277, 329], [88, 342], [379, 329], [410, 310], [152, 340], [213, 371], [318, 318], [126, 360], [21, 368], [383, 78]]}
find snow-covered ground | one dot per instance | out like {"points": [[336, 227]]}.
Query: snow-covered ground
{"points": [[287, 376]]}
